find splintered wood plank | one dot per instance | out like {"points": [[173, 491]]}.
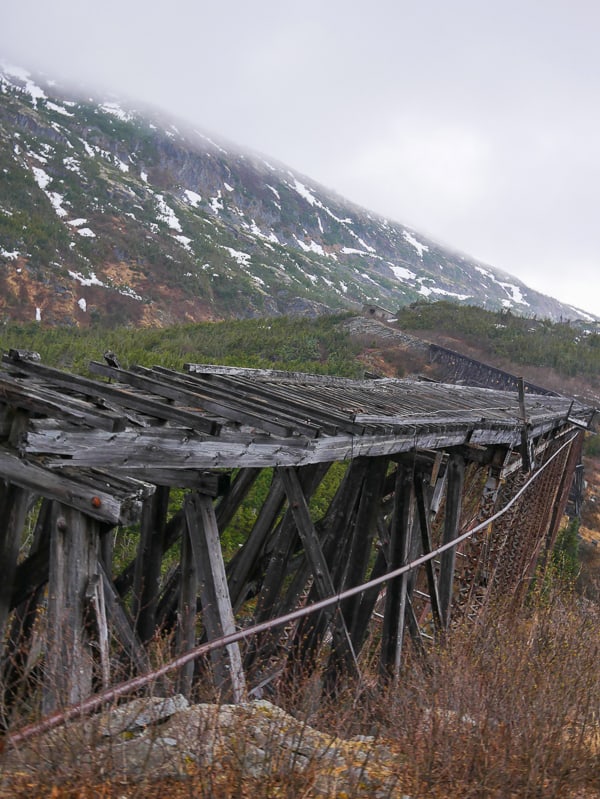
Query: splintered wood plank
{"points": [[122, 625], [241, 565], [242, 403], [45, 400], [217, 612], [187, 609]]}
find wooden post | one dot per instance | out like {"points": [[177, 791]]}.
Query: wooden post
{"points": [[395, 596], [455, 482], [362, 541], [148, 563], [424, 526], [217, 612], [13, 510], [186, 629], [73, 561], [320, 570]]}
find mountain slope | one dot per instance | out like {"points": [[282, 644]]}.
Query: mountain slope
{"points": [[112, 216]]}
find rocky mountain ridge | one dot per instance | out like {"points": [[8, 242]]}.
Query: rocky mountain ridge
{"points": [[111, 216]]}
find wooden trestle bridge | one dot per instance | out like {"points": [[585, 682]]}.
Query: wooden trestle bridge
{"points": [[415, 464]]}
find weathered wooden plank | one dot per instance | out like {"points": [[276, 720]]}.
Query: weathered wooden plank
{"points": [[217, 612], [274, 375], [13, 510], [289, 401], [204, 400], [94, 595], [187, 610], [320, 571], [122, 625], [73, 562], [236, 395], [454, 490], [147, 572], [424, 526], [241, 565], [32, 572], [93, 501], [124, 398], [40, 399], [359, 554], [395, 596]]}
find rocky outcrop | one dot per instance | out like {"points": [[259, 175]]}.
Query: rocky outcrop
{"points": [[154, 738]]}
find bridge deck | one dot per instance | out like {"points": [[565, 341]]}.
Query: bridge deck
{"points": [[423, 461]]}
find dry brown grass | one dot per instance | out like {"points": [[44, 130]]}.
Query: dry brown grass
{"points": [[509, 708]]}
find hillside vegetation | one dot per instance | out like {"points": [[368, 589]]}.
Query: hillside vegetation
{"points": [[322, 345], [571, 349], [506, 708]]}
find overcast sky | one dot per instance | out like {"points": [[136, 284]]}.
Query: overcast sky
{"points": [[474, 122]]}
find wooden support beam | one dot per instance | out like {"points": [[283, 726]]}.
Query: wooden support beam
{"points": [[244, 562], [217, 612], [455, 483], [122, 625], [236, 492], [73, 562], [93, 500], [360, 551], [395, 595], [336, 530], [285, 542], [320, 570], [424, 526], [14, 503], [147, 572], [187, 610], [24, 602]]}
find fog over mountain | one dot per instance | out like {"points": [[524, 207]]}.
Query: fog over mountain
{"points": [[115, 215]]}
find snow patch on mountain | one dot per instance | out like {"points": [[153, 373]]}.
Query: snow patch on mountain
{"points": [[167, 214], [419, 247], [401, 273]]}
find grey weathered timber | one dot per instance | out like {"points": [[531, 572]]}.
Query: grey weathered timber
{"points": [[240, 567], [122, 626], [13, 510], [187, 610], [137, 402], [73, 563], [251, 407], [217, 613], [423, 511], [49, 402], [320, 571], [455, 481], [227, 407], [395, 597], [146, 579], [96, 502], [360, 548], [104, 450]]}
